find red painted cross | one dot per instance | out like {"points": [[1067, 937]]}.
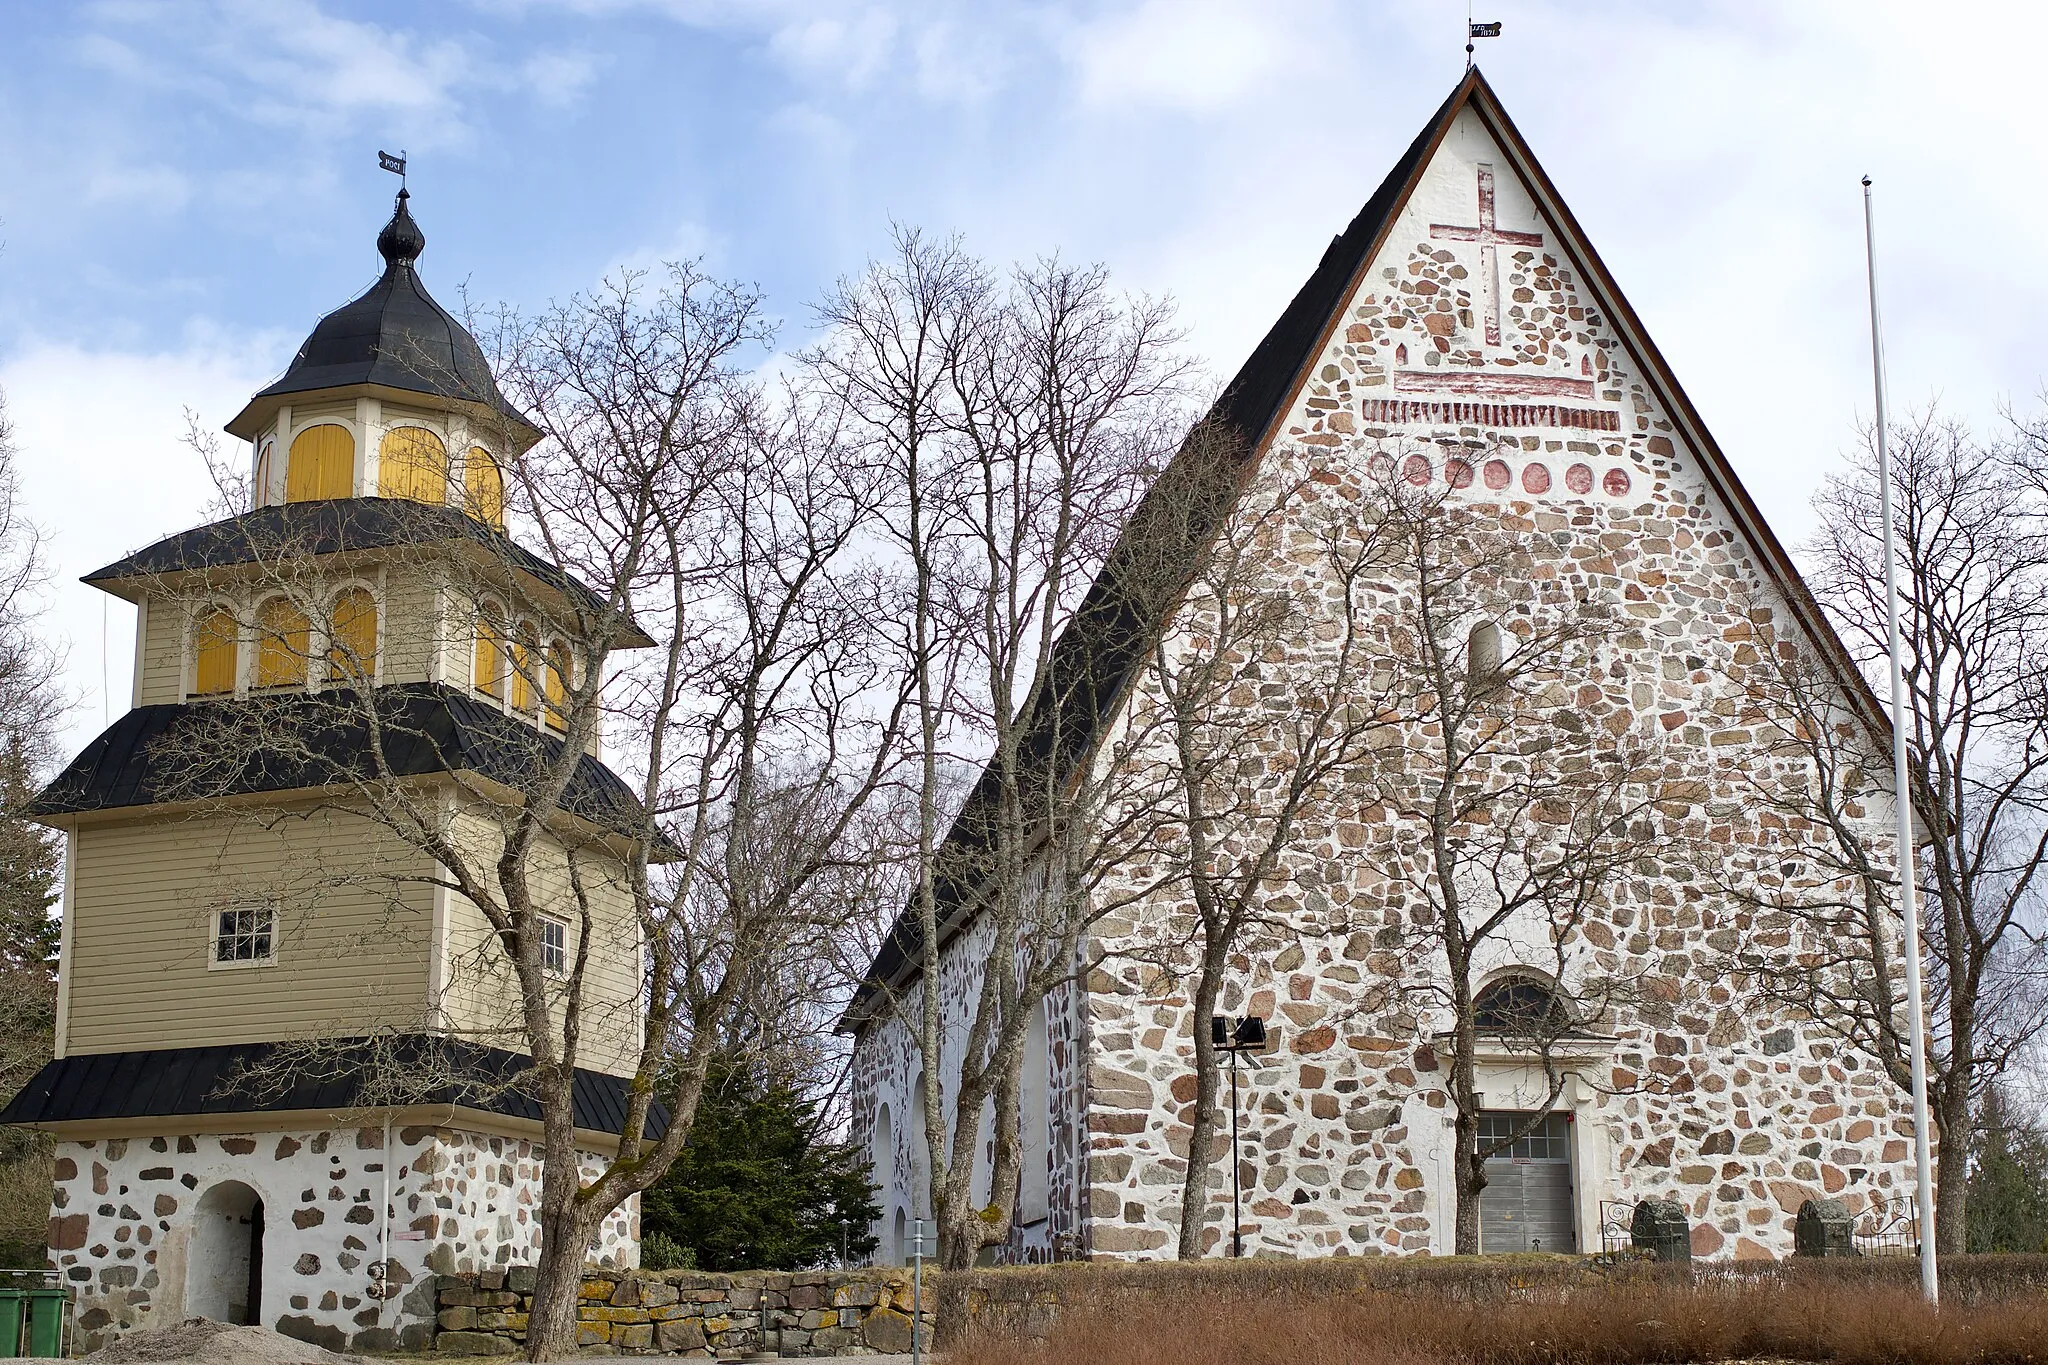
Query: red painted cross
{"points": [[1486, 234]]}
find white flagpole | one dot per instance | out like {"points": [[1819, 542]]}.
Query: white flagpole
{"points": [[1909, 901]]}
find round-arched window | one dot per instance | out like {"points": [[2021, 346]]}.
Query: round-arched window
{"points": [[1520, 1005]]}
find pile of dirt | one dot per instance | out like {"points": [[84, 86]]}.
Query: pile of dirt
{"points": [[207, 1342]]}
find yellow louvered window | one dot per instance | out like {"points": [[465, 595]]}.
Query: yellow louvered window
{"points": [[483, 486], [352, 651], [282, 636], [213, 652], [489, 669], [525, 658], [412, 463], [322, 464], [557, 684]]}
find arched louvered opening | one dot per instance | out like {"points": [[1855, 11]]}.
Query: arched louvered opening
{"points": [[487, 668], [557, 685], [352, 639], [322, 464], [483, 487], [283, 639], [215, 652], [412, 463]]}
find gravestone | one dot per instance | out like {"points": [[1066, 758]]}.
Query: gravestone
{"points": [[1824, 1228], [1659, 1227]]}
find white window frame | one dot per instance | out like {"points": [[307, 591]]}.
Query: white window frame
{"points": [[266, 931], [554, 957]]}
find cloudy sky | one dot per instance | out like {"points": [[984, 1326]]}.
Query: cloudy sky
{"points": [[186, 185]]}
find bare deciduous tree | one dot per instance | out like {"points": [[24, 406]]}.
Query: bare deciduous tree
{"points": [[1972, 531], [697, 569], [1019, 418]]}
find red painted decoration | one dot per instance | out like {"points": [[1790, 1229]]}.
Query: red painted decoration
{"points": [[1579, 479], [1616, 483], [1457, 473], [1415, 469], [1536, 478], [1497, 474], [1486, 234]]}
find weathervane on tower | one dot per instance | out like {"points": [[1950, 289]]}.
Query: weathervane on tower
{"points": [[396, 164]]}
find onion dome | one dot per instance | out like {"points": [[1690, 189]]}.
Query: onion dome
{"points": [[394, 336]]}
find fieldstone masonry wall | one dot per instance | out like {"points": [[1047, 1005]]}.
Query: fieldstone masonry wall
{"points": [[686, 1312], [1520, 406], [124, 1210]]}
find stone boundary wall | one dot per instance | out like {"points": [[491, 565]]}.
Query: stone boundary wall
{"points": [[693, 1313]]}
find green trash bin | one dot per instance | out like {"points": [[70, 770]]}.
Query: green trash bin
{"points": [[10, 1322], [45, 1322]]}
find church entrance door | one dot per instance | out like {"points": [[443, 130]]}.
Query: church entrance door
{"points": [[1527, 1204], [224, 1259]]}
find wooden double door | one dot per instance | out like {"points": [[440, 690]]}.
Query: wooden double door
{"points": [[1527, 1204]]}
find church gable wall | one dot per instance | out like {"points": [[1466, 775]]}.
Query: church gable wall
{"points": [[1523, 408]]}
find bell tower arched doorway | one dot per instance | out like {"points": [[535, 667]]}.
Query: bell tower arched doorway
{"points": [[224, 1259]]}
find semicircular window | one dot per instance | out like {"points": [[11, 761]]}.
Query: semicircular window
{"points": [[1520, 1006]]}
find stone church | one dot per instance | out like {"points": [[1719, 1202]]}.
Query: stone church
{"points": [[1464, 318], [200, 936]]}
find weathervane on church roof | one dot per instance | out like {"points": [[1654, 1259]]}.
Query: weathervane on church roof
{"points": [[396, 164], [1475, 31]]}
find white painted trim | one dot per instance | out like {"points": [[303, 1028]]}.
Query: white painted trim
{"points": [[141, 638], [65, 940]]}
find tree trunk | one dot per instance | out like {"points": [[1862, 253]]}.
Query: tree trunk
{"points": [[1468, 1173], [551, 1326], [1954, 1124], [1194, 1189]]}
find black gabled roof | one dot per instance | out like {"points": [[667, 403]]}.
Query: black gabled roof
{"points": [[298, 530], [191, 1081], [1096, 656], [207, 750], [394, 334]]}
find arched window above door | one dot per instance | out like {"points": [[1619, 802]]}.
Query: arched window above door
{"points": [[1520, 1005]]}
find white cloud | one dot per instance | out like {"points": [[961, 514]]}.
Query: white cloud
{"points": [[288, 62], [1194, 54], [103, 471], [558, 78]]}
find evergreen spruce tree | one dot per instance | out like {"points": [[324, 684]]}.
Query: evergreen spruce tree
{"points": [[758, 1188], [2008, 1205]]}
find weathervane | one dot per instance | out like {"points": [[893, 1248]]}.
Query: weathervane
{"points": [[1473, 31], [396, 164]]}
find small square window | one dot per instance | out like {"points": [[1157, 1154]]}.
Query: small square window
{"points": [[244, 935], [554, 945]]}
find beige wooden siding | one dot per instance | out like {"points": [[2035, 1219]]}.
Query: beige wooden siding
{"points": [[351, 949], [481, 994], [160, 662]]}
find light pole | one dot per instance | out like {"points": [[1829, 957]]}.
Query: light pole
{"points": [[1235, 1036]]}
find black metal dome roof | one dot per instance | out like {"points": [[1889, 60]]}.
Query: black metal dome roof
{"points": [[394, 335]]}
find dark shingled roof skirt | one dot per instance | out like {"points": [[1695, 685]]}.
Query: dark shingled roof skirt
{"points": [[191, 1081]]}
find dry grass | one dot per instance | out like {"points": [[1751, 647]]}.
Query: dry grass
{"points": [[1651, 1321]]}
